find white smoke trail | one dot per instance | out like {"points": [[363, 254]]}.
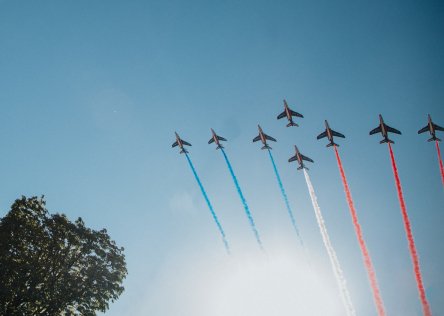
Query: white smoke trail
{"points": [[340, 279]]}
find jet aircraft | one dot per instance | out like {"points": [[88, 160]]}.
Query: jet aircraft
{"points": [[384, 129], [300, 159], [180, 142], [289, 113], [432, 128], [216, 139], [329, 133], [263, 138]]}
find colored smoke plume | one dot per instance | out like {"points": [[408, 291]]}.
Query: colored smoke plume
{"points": [[284, 196], [244, 202], [411, 242], [367, 260], [210, 207], [441, 166], [340, 279]]}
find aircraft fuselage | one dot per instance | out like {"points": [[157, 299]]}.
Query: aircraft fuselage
{"points": [[329, 134], [179, 141], [263, 139], [298, 156], [287, 112], [216, 140], [431, 127], [383, 130]]}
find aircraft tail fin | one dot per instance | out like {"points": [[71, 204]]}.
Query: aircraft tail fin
{"points": [[332, 144], [386, 140], [219, 147], [302, 167], [292, 124], [184, 151], [266, 147], [434, 138]]}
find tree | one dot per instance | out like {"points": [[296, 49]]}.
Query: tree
{"points": [[51, 266]]}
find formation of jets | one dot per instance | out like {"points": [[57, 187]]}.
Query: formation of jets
{"points": [[382, 128]]}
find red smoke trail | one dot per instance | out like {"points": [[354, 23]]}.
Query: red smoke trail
{"points": [[408, 229], [441, 166], [368, 262]]}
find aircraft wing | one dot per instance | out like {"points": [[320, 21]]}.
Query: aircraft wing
{"points": [[221, 138], [424, 129], [269, 138], [375, 130], [282, 115], [392, 130], [306, 158], [337, 134], [292, 158], [322, 135], [211, 140], [186, 143], [175, 144], [258, 137], [293, 113], [437, 127]]}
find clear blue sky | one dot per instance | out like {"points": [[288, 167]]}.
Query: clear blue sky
{"points": [[92, 91]]}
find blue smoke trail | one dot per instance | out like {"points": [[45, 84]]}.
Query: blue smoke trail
{"points": [[244, 202], [284, 195], [219, 226]]}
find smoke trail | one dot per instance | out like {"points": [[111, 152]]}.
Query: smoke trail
{"points": [[216, 220], [284, 195], [244, 202], [408, 229], [340, 279], [367, 260], [441, 166]]}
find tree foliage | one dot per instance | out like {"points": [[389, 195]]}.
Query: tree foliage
{"points": [[51, 266]]}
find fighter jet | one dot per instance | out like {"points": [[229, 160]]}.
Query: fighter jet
{"points": [[300, 158], [180, 142], [384, 129], [216, 139], [263, 138], [329, 133], [289, 113], [432, 128]]}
